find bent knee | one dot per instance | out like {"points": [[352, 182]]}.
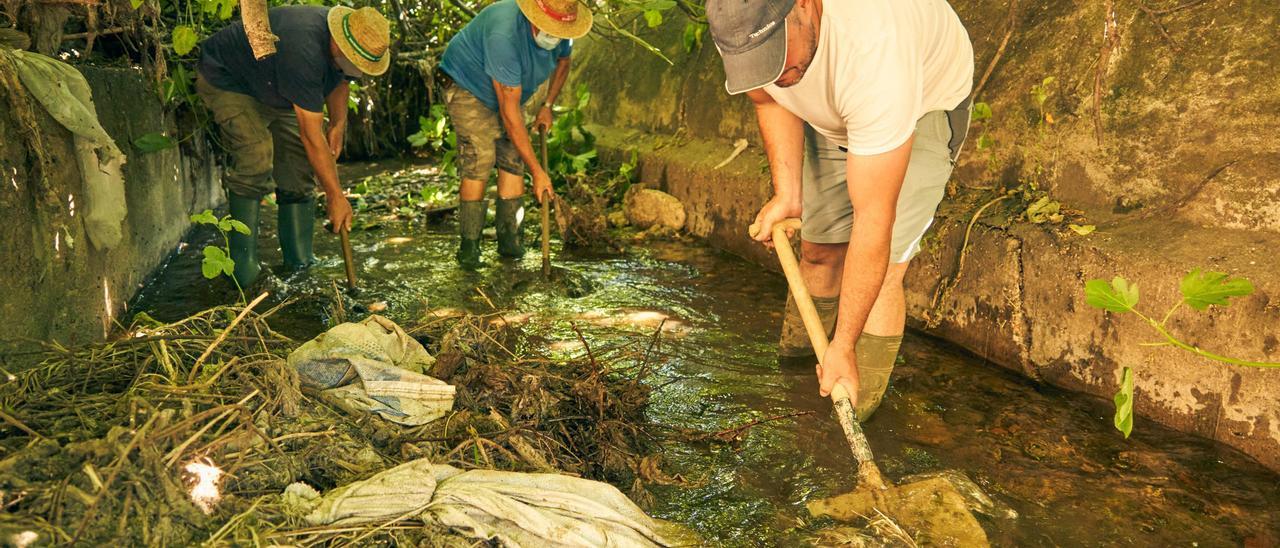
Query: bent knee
{"points": [[822, 254]]}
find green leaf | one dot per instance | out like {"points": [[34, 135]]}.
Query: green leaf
{"points": [[693, 36], [1124, 403], [985, 142], [1083, 230], [1201, 289], [1118, 296], [981, 111], [153, 142], [653, 18], [135, 4], [184, 39], [205, 217], [216, 262], [240, 227]]}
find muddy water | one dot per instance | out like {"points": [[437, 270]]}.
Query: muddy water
{"points": [[1050, 456]]}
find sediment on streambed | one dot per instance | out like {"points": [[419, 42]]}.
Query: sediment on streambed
{"points": [[189, 432]]}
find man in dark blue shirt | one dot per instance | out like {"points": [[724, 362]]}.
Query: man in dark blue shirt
{"points": [[495, 63], [270, 113]]}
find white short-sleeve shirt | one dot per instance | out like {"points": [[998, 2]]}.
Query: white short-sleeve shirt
{"points": [[880, 65]]}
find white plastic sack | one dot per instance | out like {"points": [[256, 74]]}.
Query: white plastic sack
{"points": [[517, 509], [65, 94], [374, 366]]}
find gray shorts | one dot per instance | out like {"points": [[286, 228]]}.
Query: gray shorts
{"points": [[828, 214]]}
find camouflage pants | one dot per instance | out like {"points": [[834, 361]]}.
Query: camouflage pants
{"points": [[265, 145], [482, 141]]}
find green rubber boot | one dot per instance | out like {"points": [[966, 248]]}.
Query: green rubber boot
{"points": [[470, 225], [297, 232], [507, 223], [244, 247]]}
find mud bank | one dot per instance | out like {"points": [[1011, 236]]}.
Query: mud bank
{"points": [[1163, 146], [57, 286]]}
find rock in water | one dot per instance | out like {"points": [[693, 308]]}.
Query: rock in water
{"points": [[646, 207]]}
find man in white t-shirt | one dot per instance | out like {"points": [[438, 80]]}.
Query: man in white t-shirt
{"points": [[862, 106]]}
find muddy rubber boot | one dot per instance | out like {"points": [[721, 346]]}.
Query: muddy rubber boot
{"points": [[244, 247], [297, 231], [876, 355], [794, 341], [507, 223], [470, 225]]}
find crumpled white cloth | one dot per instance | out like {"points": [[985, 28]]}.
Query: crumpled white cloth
{"points": [[374, 366], [516, 509], [65, 94]]}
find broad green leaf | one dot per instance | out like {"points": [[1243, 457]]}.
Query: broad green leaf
{"points": [[205, 217], [184, 39], [1201, 289], [981, 111], [239, 227], [1124, 403], [153, 142], [1083, 230], [216, 262], [653, 18], [1118, 296], [135, 4], [693, 36]]}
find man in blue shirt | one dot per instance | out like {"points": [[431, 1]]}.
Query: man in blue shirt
{"points": [[495, 63], [270, 114]]}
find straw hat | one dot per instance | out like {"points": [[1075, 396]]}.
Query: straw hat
{"points": [[560, 18], [363, 36]]}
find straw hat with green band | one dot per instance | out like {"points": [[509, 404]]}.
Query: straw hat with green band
{"points": [[560, 18], [363, 36]]}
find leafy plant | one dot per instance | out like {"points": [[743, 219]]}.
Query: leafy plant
{"points": [[217, 260], [1200, 289], [153, 142], [436, 135], [1040, 95], [571, 148]]}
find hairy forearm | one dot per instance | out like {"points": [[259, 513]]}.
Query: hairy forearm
{"points": [[865, 264], [322, 161], [783, 136]]}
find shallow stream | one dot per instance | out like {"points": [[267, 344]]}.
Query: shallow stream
{"points": [[1051, 456]]}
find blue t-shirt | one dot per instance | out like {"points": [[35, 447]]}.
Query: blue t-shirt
{"points": [[302, 71], [498, 45]]}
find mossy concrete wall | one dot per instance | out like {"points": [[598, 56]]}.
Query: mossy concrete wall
{"points": [[1182, 174], [56, 285]]}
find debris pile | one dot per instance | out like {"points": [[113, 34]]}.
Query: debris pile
{"points": [[190, 432]]}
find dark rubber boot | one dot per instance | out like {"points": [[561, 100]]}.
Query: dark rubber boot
{"points": [[507, 223], [244, 247], [470, 225], [794, 341], [297, 232]]}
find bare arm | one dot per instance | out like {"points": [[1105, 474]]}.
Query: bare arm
{"points": [[542, 121], [509, 109], [336, 104], [783, 135], [874, 184], [311, 127]]}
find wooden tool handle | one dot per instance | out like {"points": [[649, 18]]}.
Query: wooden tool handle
{"points": [[546, 215], [840, 398], [347, 259]]}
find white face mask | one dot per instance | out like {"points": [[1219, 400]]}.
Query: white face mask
{"points": [[546, 41]]}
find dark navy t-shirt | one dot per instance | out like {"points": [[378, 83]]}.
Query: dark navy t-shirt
{"points": [[302, 71], [498, 45]]}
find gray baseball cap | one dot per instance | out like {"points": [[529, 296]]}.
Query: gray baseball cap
{"points": [[752, 38]]}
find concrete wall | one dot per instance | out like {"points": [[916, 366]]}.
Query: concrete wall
{"points": [[1184, 177], [57, 286]]}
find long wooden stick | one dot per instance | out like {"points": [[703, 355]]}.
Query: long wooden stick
{"points": [[840, 398], [348, 259], [546, 215]]}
